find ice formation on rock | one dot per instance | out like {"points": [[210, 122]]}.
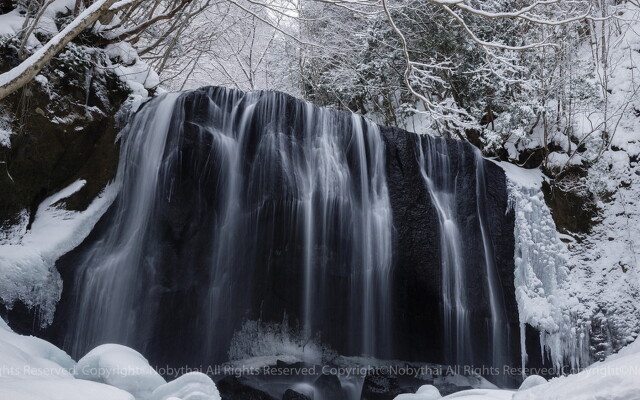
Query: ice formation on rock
{"points": [[540, 275]]}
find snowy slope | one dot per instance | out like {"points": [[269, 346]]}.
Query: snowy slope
{"points": [[617, 378], [605, 274]]}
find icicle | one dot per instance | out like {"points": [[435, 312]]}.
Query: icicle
{"points": [[540, 272]]}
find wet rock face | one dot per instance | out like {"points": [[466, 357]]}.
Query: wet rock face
{"points": [[291, 394], [233, 388], [573, 211], [380, 387], [329, 387], [64, 129], [417, 259]]}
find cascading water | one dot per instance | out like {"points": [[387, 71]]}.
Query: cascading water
{"points": [[271, 201], [440, 181], [499, 326], [442, 162], [239, 212], [109, 304]]}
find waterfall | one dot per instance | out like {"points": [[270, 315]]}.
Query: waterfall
{"points": [[112, 270], [499, 326], [442, 165], [240, 212], [246, 204], [437, 173]]}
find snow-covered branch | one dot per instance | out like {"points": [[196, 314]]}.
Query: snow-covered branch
{"points": [[22, 74]]}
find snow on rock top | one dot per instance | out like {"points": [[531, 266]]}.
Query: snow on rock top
{"points": [[119, 366], [137, 74], [12, 22], [17, 348], [527, 178]]}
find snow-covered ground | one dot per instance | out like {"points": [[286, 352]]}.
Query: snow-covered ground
{"points": [[33, 369], [617, 378]]}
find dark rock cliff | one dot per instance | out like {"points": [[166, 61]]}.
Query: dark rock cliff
{"points": [[179, 245]]}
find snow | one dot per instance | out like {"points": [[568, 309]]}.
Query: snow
{"points": [[27, 257], [13, 73], [33, 369], [137, 74], [558, 161], [124, 51], [532, 381], [589, 286], [10, 23], [5, 130], [190, 386], [617, 378], [527, 178], [425, 392], [47, 24], [121, 367], [481, 394], [41, 79], [603, 264]]}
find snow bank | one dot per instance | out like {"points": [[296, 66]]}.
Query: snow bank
{"points": [[121, 367], [190, 386], [17, 348], [425, 392], [32, 369], [532, 381], [27, 257], [429, 392], [617, 378], [481, 394]]}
